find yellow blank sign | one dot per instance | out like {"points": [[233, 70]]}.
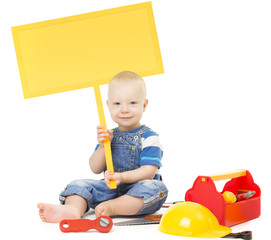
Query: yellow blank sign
{"points": [[86, 50]]}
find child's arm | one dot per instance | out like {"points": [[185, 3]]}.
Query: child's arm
{"points": [[97, 161], [136, 175]]}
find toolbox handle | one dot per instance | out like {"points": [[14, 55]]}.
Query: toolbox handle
{"points": [[228, 175]]}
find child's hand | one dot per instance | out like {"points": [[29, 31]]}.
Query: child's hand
{"points": [[102, 134], [108, 176]]}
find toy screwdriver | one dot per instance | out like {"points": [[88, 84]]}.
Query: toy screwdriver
{"points": [[244, 196]]}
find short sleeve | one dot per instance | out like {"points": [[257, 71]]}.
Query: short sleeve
{"points": [[152, 150], [97, 146]]}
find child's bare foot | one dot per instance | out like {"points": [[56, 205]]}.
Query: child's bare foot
{"points": [[104, 209], [55, 213]]}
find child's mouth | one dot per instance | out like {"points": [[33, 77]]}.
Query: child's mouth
{"points": [[125, 118]]}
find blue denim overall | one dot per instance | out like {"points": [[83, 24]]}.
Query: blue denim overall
{"points": [[126, 148]]}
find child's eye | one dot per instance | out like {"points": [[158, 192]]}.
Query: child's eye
{"points": [[116, 103], [133, 102]]}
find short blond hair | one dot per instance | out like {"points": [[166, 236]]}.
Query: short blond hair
{"points": [[127, 76]]}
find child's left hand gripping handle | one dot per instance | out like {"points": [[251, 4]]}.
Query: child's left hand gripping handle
{"points": [[107, 145]]}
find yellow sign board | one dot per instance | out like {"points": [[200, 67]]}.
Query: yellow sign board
{"points": [[87, 50]]}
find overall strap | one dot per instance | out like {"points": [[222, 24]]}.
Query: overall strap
{"points": [[143, 130]]}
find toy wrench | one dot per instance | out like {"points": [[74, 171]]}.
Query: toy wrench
{"points": [[102, 224], [247, 235]]}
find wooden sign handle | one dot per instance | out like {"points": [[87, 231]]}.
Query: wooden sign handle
{"points": [[107, 144]]}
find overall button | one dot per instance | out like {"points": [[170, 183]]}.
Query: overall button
{"points": [[161, 195]]}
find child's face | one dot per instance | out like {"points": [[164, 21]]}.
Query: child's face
{"points": [[126, 103]]}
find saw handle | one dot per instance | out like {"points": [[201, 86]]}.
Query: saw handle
{"points": [[154, 217], [102, 224]]}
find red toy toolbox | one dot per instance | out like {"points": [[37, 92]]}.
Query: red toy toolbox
{"points": [[205, 193]]}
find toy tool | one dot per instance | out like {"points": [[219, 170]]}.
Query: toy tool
{"points": [[102, 224], [167, 205], [204, 192], [151, 219], [87, 50], [247, 235], [244, 196], [229, 197]]}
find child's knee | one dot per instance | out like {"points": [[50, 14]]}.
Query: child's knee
{"points": [[154, 194], [93, 191], [79, 188], [157, 189], [79, 182]]}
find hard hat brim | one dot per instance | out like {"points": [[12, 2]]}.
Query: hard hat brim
{"points": [[220, 231]]}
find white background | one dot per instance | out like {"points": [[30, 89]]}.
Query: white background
{"points": [[211, 108]]}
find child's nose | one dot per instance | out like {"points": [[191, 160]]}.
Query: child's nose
{"points": [[124, 108]]}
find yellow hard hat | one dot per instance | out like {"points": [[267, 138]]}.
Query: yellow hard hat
{"points": [[191, 219]]}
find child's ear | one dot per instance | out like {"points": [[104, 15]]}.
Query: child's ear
{"points": [[107, 103], [145, 104]]}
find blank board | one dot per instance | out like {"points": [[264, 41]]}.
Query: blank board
{"points": [[86, 50]]}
